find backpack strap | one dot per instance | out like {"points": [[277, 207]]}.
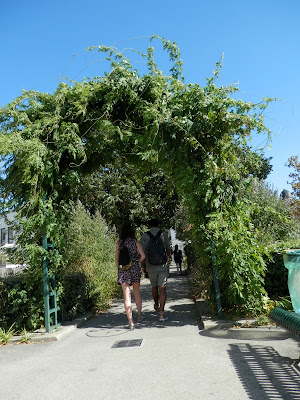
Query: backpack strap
{"points": [[150, 235], [156, 236]]}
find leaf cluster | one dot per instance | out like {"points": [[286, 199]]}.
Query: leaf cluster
{"points": [[294, 163]]}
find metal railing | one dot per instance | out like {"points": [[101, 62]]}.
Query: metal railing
{"points": [[287, 319]]}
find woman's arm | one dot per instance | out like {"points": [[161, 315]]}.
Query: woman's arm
{"points": [[140, 251], [117, 255]]}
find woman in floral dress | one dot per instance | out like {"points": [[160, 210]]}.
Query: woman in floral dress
{"points": [[132, 277]]}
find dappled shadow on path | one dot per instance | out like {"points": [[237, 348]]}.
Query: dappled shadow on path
{"points": [[263, 373], [180, 310]]}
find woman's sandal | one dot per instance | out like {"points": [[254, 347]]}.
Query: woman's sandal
{"points": [[141, 318]]}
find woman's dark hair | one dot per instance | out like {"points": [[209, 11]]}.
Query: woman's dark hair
{"points": [[127, 231]]}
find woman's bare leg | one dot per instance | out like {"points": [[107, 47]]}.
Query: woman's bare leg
{"points": [[138, 297], [127, 301]]}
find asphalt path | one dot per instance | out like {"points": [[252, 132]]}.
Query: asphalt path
{"points": [[185, 357]]}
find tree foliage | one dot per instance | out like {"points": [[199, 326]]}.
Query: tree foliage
{"points": [[198, 137], [295, 175], [125, 194], [294, 163]]}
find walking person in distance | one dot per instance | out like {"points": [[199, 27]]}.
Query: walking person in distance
{"points": [[177, 253], [130, 274], [156, 246]]}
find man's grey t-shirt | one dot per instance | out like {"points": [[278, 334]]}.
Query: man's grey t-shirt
{"points": [[145, 241]]}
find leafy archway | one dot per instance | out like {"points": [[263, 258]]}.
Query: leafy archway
{"points": [[198, 136]]}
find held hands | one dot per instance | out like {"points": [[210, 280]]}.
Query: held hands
{"points": [[143, 266]]}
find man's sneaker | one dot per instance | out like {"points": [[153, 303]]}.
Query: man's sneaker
{"points": [[156, 307], [140, 318], [162, 317]]}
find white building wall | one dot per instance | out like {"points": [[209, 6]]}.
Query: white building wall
{"points": [[6, 240], [175, 241]]}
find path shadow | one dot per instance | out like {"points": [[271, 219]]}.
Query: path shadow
{"points": [[221, 330], [180, 310], [263, 373]]}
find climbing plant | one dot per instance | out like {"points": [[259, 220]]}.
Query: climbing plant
{"points": [[197, 137], [293, 162], [125, 193]]}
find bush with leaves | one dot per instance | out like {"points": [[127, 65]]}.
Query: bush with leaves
{"points": [[22, 301], [89, 276], [273, 217], [294, 163], [278, 229]]}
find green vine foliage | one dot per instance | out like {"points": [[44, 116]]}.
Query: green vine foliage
{"points": [[293, 162], [196, 136], [125, 193]]}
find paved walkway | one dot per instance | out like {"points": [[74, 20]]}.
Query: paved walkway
{"points": [[177, 359]]}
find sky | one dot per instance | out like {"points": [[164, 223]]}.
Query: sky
{"points": [[259, 40]]}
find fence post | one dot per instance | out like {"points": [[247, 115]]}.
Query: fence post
{"points": [[216, 281], [46, 285], [49, 296]]}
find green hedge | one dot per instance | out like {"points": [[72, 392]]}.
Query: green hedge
{"points": [[21, 302], [89, 276]]}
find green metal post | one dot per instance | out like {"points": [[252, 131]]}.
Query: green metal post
{"points": [[46, 286], [216, 281], [47, 293]]}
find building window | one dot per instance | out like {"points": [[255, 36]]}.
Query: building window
{"points": [[10, 235], [3, 236]]}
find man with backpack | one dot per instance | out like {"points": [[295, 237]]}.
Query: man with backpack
{"points": [[157, 248]]}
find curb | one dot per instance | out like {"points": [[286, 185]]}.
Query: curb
{"points": [[41, 336], [208, 322]]}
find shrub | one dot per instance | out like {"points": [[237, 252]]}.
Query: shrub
{"points": [[21, 301], [89, 276]]}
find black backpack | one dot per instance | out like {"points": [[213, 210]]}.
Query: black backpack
{"points": [[156, 251], [125, 261]]}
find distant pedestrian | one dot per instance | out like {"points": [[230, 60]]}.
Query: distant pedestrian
{"points": [[131, 276], [156, 246], [177, 253]]}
